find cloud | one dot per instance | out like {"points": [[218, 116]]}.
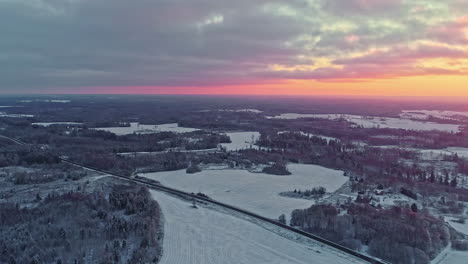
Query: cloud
{"points": [[404, 55], [452, 32], [362, 7], [79, 43]]}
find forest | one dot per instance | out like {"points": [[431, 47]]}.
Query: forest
{"points": [[78, 227]]}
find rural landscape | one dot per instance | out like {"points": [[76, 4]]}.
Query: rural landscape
{"points": [[83, 180], [234, 132]]}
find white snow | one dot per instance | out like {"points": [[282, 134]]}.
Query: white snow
{"points": [[328, 139], [378, 122], [432, 154], [46, 101], [461, 152], [3, 114], [168, 150], [56, 123], [438, 154], [57, 101], [241, 140], [450, 256], [249, 110], [256, 192], [256, 111], [462, 228], [455, 257], [425, 114], [146, 129], [206, 236], [393, 199]]}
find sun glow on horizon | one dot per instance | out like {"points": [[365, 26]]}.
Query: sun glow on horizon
{"points": [[426, 86]]}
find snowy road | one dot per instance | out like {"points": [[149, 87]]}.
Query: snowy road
{"points": [[207, 236]]}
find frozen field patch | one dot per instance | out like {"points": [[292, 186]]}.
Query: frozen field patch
{"points": [[147, 129], [425, 114], [450, 256], [3, 114], [378, 122], [462, 228], [57, 123], [256, 192], [241, 140], [328, 139]]}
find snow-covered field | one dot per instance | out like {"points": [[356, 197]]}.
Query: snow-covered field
{"points": [[462, 228], [45, 101], [379, 122], [168, 150], [438, 154], [425, 114], [57, 123], [145, 129], [241, 140], [393, 199], [256, 111], [3, 114], [434, 154], [461, 152], [328, 139], [256, 192], [450, 256], [454, 257], [206, 236]]}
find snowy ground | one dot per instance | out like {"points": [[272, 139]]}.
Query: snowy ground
{"points": [[256, 192], [462, 228], [392, 199], [435, 154], [328, 139], [206, 236], [241, 140], [450, 256], [45, 101], [256, 111], [144, 129], [425, 114], [168, 150], [3, 114], [379, 122], [57, 123], [438, 154], [455, 257], [461, 152]]}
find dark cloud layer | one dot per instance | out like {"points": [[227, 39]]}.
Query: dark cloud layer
{"points": [[74, 43]]}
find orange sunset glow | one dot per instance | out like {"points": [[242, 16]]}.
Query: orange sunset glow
{"points": [[408, 86], [308, 47]]}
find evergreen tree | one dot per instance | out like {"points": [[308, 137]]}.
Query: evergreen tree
{"points": [[282, 219]]}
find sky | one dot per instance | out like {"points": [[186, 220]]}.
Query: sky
{"points": [[278, 47]]}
